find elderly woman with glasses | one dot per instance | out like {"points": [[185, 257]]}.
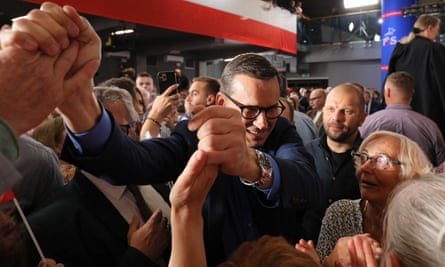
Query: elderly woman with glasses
{"points": [[384, 160]]}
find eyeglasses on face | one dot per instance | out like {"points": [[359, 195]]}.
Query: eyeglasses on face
{"points": [[379, 161], [126, 127], [251, 112]]}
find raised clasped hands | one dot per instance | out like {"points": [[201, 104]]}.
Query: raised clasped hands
{"points": [[222, 135], [51, 37]]}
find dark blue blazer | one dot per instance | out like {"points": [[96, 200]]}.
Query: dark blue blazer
{"points": [[233, 213], [81, 228]]}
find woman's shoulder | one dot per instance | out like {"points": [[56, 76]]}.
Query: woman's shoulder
{"points": [[344, 208], [344, 205]]}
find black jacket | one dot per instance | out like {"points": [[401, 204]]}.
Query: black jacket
{"points": [[341, 184], [80, 227], [425, 60]]}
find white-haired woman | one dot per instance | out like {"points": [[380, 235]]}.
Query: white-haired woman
{"points": [[383, 160]]}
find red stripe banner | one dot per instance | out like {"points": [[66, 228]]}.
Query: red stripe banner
{"points": [[189, 17]]}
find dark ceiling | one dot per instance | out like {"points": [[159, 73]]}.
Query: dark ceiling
{"points": [[156, 41]]}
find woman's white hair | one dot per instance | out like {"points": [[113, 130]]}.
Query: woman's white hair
{"points": [[415, 222], [414, 161]]}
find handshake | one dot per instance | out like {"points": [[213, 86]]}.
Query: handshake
{"points": [[48, 59]]}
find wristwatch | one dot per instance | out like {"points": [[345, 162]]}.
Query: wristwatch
{"points": [[266, 171]]}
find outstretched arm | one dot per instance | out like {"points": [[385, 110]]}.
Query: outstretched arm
{"points": [[187, 198]]}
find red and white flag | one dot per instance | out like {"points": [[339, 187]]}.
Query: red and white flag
{"points": [[7, 196]]}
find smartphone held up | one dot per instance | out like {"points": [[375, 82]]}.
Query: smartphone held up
{"points": [[166, 79]]}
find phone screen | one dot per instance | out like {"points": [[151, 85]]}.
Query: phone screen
{"points": [[165, 80]]}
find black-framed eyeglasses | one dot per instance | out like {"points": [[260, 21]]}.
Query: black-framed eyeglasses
{"points": [[126, 127], [251, 112], [379, 161]]}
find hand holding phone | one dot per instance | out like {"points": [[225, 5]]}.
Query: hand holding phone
{"points": [[165, 80]]}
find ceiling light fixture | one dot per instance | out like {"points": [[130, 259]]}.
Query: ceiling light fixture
{"points": [[122, 32], [359, 3]]}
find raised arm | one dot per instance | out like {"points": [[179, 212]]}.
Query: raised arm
{"points": [[187, 198], [52, 29]]}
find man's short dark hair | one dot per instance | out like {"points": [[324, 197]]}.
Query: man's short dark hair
{"points": [[403, 81], [144, 74], [212, 84], [250, 64]]}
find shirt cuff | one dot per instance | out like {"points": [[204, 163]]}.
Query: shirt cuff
{"points": [[92, 142]]}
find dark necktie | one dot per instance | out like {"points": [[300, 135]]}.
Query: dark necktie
{"points": [[140, 202]]}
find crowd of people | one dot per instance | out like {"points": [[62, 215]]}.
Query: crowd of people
{"points": [[251, 174]]}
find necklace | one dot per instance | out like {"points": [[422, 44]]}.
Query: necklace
{"points": [[365, 208]]}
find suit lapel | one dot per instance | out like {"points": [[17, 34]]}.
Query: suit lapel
{"points": [[94, 201]]}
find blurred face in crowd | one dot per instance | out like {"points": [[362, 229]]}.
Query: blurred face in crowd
{"points": [[198, 95], [123, 118], [317, 100], [145, 83]]}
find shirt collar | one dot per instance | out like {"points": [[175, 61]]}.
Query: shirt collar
{"points": [[114, 191]]}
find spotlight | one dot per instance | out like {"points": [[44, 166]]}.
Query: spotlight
{"points": [[359, 3], [122, 32]]}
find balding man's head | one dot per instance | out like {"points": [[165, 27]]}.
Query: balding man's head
{"points": [[317, 99]]}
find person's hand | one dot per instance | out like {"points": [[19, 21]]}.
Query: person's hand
{"points": [[52, 27], [187, 199], [164, 104], [309, 249], [47, 31], [32, 84], [80, 108], [341, 255], [361, 253], [49, 263], [152, 238], [222, 135], [194, 183]]}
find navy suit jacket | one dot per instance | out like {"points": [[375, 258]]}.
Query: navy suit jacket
{"points": [[81, 228], [233, 213]]}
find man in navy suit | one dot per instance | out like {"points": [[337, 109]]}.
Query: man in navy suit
{"points": [[266, 180]]}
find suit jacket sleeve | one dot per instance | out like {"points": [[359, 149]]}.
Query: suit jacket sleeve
{"points": [[127, 161], [300, 185]]}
